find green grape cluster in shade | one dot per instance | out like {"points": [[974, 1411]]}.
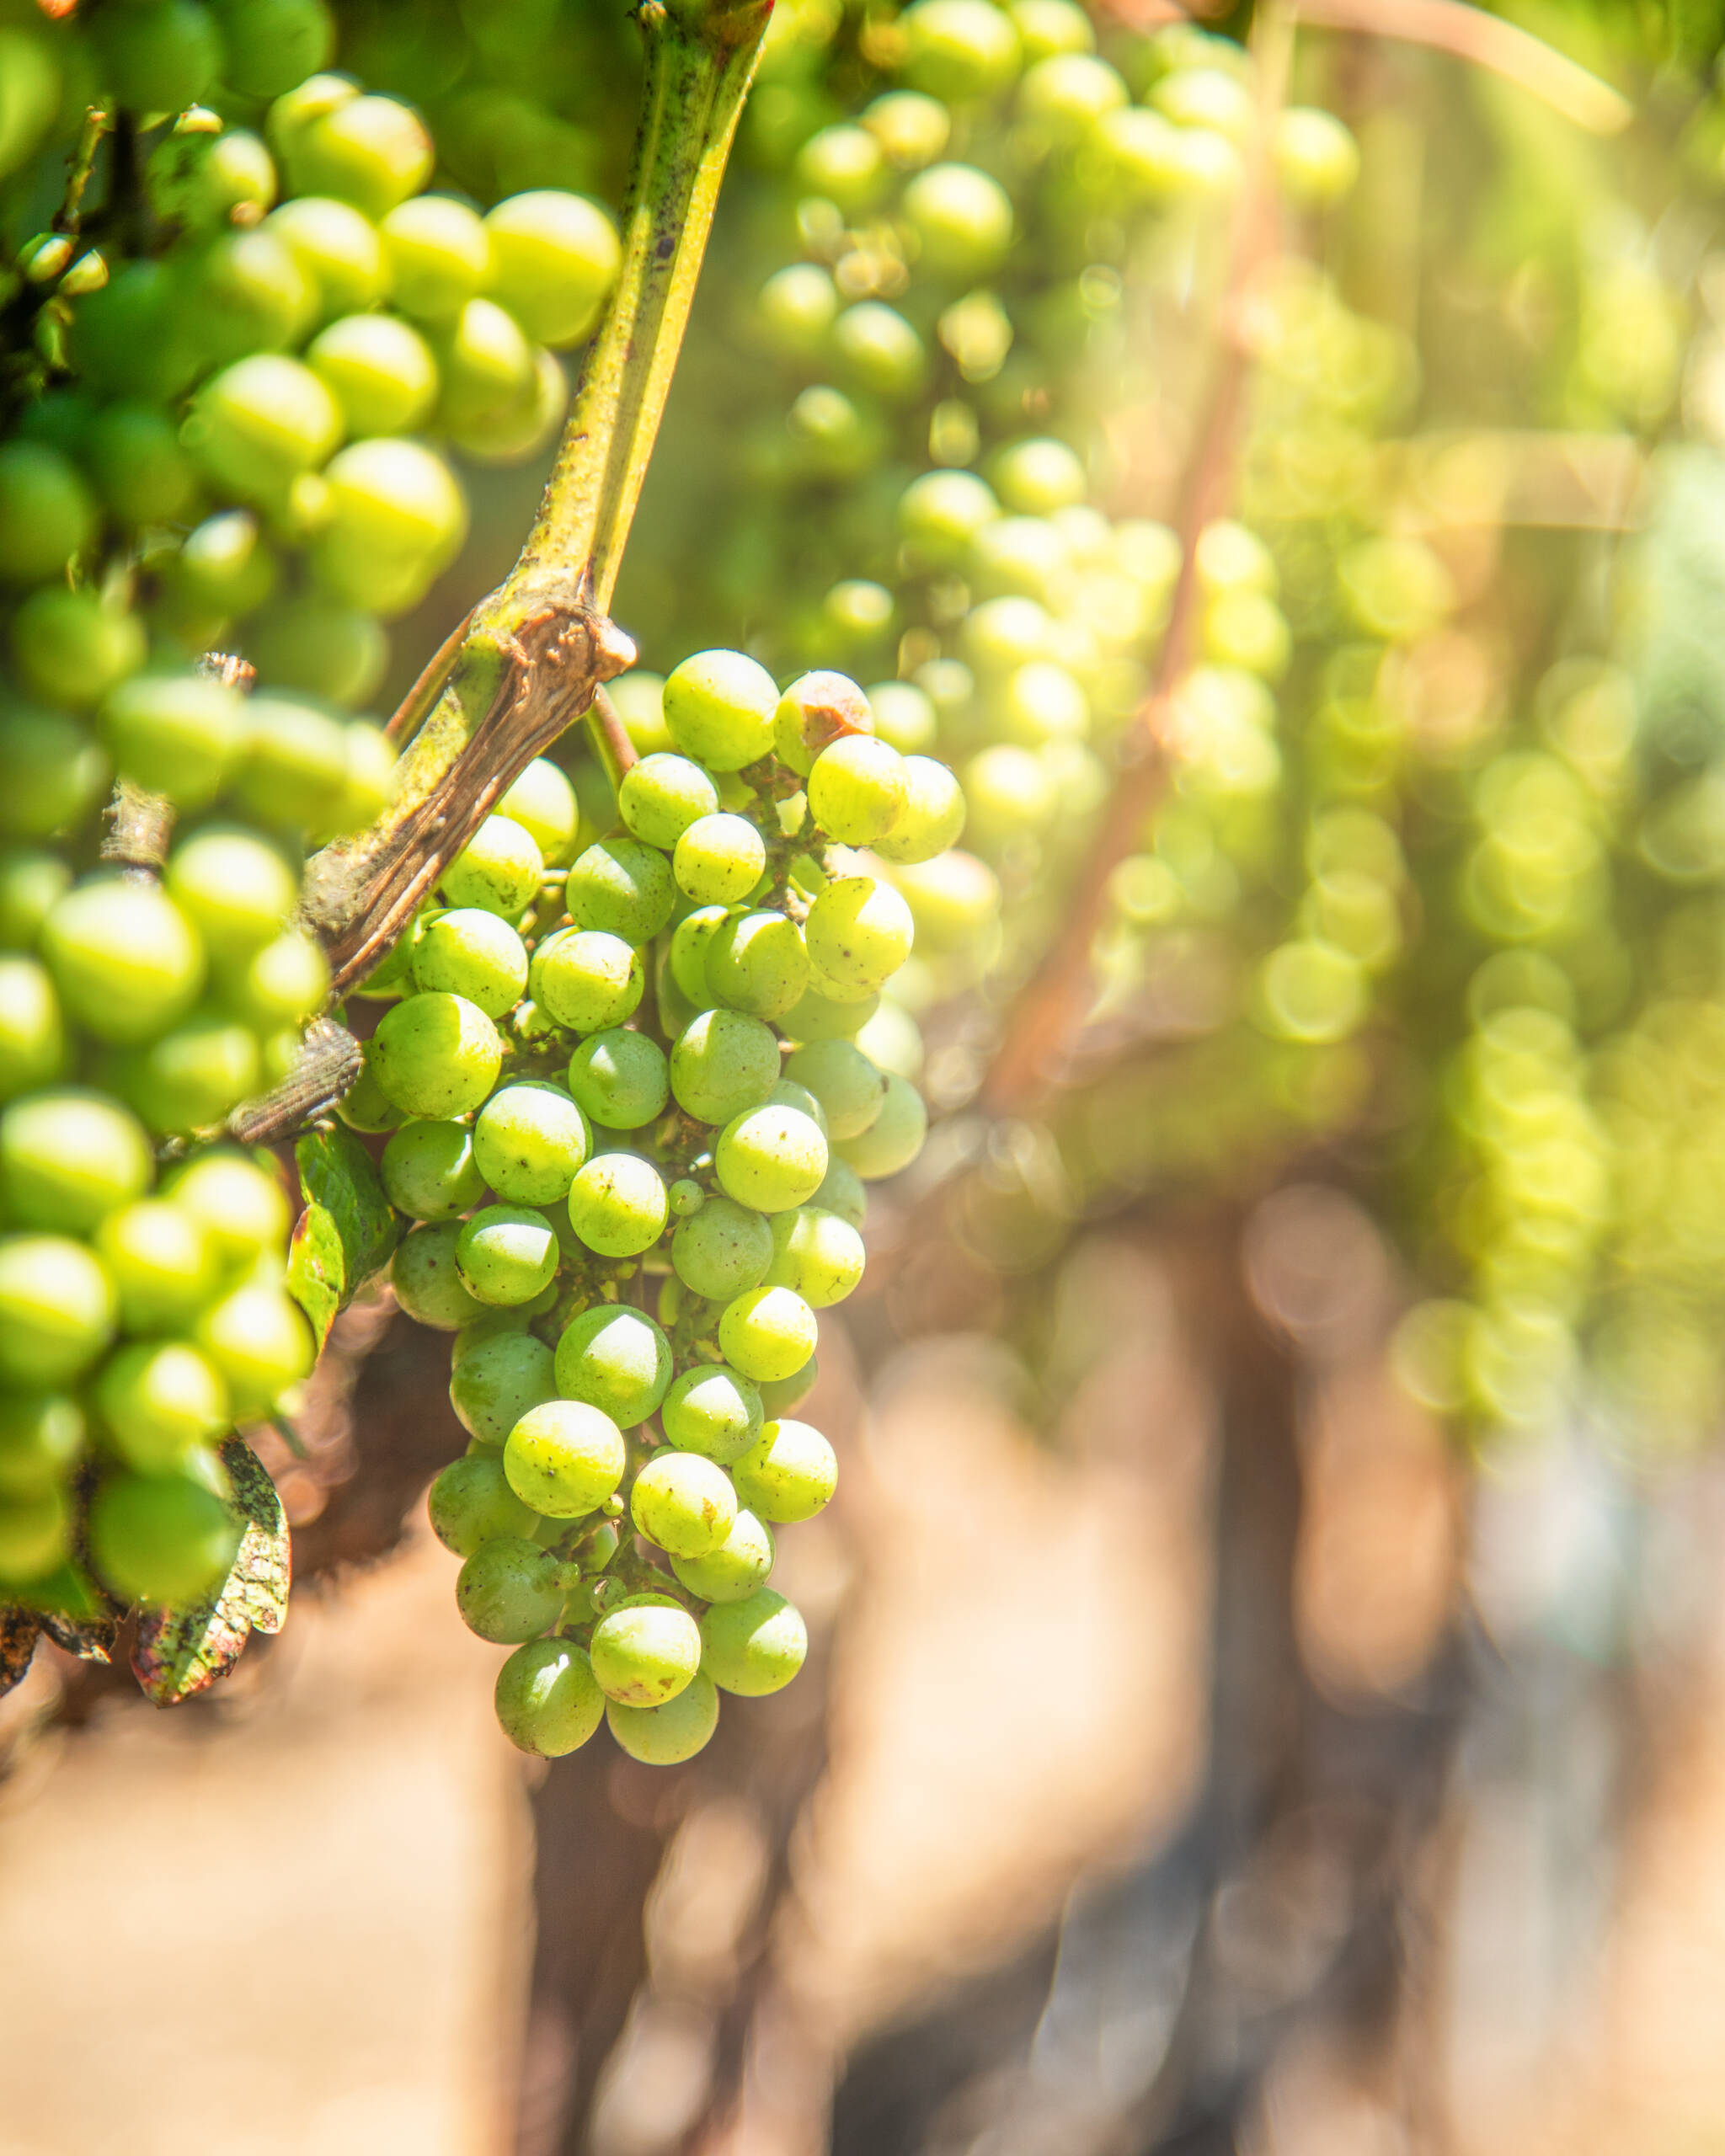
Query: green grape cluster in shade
{"points": [[628, 1110]]}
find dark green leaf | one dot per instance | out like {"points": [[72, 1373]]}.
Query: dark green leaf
{"points": [[347, 1231]]}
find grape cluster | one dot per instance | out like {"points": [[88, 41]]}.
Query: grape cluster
{"points": [[632, 1201]]}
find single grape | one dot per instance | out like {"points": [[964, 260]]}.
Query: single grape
{"points": [[756, 963], [338, 250], [619, 1078], [542, 802], [788, 1094], [372, 152], [768, 1334], [1037, 476], [686, 961], [721, 1250], [686, 1197], [941, 513], [816, 710], [546, 1698], [564, 1458], [379, 372], [770, 1158], [498, 870], [258, 1341], [54, 771], [31, 882], [645, 1650], [841, 1192], [257, 425], [41, 1438], [507, 1254], [618, 1205], [469, 951], [365, 1107], [235, 889], [159, 59], [933, 815], [718, 859], [616, 1358], [850, 1090], [719, 707], [756, 1645], [587, 980], [162, 1262], [487, 365], [712, 1410], [34, 1534], [962, 218], [858, 933], [497, 1378], [623, 886], [295, 768], [879, 351], [46, 513], [795, 308], [439, 256], [661, 796], [245, 292], [730, 1574], [1065, 94], [554, 256], [394, 518], [32, 1037], [844, 164], [191, 1077], [789, 1474], [894, 1138], [159, 1398], [666, 1736], [67, 1158], [430, 1171], [779, 1398], [427, 1284], [507, 1591], [530, 1140], [904, 716], [160, 1538], [471, 1502], [817, 1253], [198, 180], [71, 648], [436, 1055], [958, 49], [639, 700], [271, 44], [240, 1206], [683, 1502], [814, 1017]]}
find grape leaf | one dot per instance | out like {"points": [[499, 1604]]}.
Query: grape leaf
{"points": [[182, 1651], [19, 1629], [346, 1231]]}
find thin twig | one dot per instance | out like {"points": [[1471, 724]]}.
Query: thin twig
{"points": [[97, 121], [611, 739], [428, 686]]}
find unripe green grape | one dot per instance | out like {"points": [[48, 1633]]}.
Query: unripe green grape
{"points": [[257, 425], [1036, 476], [363, 1107], [617, 1358], [507, 1254], [788, 1094], [41, 1437], [427, 1284], [1046, 27], [686, 961], [623, 886], [379, 371], [314, 642], [246, 292], [129, 337], [718, 859], [857, 789], [125, 961], [370, 782], [858, 610], [396, 520], [756, 964], [904, 715], [1247, 630], [1205, 96], [953, 898], [754, 1646], [645, 1650], [796, 308], [471, 953], [554, 257], [719, 707], [713, 1410], [940, 514], [962, 219], [159, 1398], [34, 1534], [294, 766], [564, 1458], [486, 364], [548, 1700], [832, 437], [858, 933], [160, 1538], [235, 889], [529, 1141], [192, 1077], [896, 1137], [223, 567], [372, 152], [32, 881], [271, 44], [284, 982], [818, 1254], [817, 711], [32, 1037], [241, 1208], [662, 796], [619, 1078], [158, 58], [507, 1591], [471, 1502], [933, 818], [1024, 554], [177, 734], [956, 50], [723, 1063], [302, 105], [1042, 702], [841, 1192], [789, 1474], [666, 1736], [338, 248], [722, 1250], [430, 1171], [733, 1571], [260, 1343], [46, 515], [778, 1398], [199, 179], [587, 980], [912, 127], [843, 163], [880, 350], [57, 1309], [814, 1017], [439, 255], [542, 802], [768, 1333], [70, 648], [684, 1503], [436, 1055], [496, 1379], [685, 1197], [617, 1204], [54, 771]]}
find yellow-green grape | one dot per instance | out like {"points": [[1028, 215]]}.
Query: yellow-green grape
{"points": [[379, 370], [494, 1383], [554, 257], [789, 1474], [394, 519], [841, 1192], [241, 1208], [246, 292], [69, 1158], [953, 898], [815, 711], [372, 152], [46, 512], [817, 1253], [162, 1538], [507, 1254], [771, 1158], [857, 789], [933, 818], [686, 961], [162, 1262], [542, 802], [189, 1078], [236, 889], [666, 1736], [1317, 159], [768, 1334], [471, 951], [436, 1055], [125, 962], [754, 1646], [904, 715], [54, 771], [796, 308], [879, 350], [858, 933], [788, 1094], [548, 1700], [781, 1395], [619, 1078], [730, 1574], [958, 49], [893, 1140], [41, 1438], [962, 220], [564, 1458], [159, 1398], [71, 647], [617, 1358], [427, 1286], [622, 888], [721, 1250], [486, 365], [1206, 97], [1042, 703], [723, 1063], [718, 859], [757, 963], [639, 700], [586, 980], [618, 1204], [286, 981], [338, 250], [912, 127], [718, 708], [684, 1503], [260, 1343], [438, 257], [32, 1037], [814, 1017], [57, 1309], [1039, 476], [940, 514], [31, 880], [296, 767], [1064, 96], [845, 164], [257, 425], [471, 1502], [530, 1141], [508, 1591], [713, 1410], [498, 870]]}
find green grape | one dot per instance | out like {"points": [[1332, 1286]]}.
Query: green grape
{"points": [[295, 764], [163, 1538], [666, 1736], [622, 887], [754, 1646], [796, 308], [736, 1568], [487, 365], [816, 710], [234, 887], [619, 1078], [833, 437], [818, 1254], [286, 981], [768, 1334], [712, 1410], [162, 1260], [189, 1078], [71, 647], [956, 50], [430, 1171], [130, 338], [1317, 159], [241, 1208], [617, 1358], [685, 1197], [34, 1534], [396, 520], [841, 1192], [46, 515], [912, 128], [546, 1698], [722, 1250], [645, 1650], [530, 1140], [756, 964], [302, 105], [542, 802], [439, 255], [365, 1108], [780, 1397], [880, 350], [1043, 703], [223, 567], [507, 1254], [788, 1094], [198, 180], [471, 1502], [53, 771], [564, 1458], [1065, 95], [379, 370], [952, 900], [159, 1398], [817, 1017], [933, 815], [158, 58], [427, 1284], [176, 735], [661, 796], [587, 980], [32, 1037], [257, 425], [554, 256], [639, 701], [894, 1138], [496, 1379], [770, 1158], [507, 1591], [470, 953], [848, 1086], [618, 1205], [31, 881], [370, 151], [339, 250], [683, 1502], [845, 164], [125, 961], [271, 44], [962, 218], [41, 1438], [858, 933], [520, 428], [246, 292], [857, 789], [260, 1343], [686, 960], [789, 1474], [1046, 27], [719, 859], [1039, 476], [940, 514], [858, 610], [57, 1309], [719, 707], [436, 1055]]}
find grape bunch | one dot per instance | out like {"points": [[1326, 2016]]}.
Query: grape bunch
{"points": [[627, 1111]]}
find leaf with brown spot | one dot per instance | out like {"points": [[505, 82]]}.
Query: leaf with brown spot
{"points": [[347, 1231], [180, 1652]]}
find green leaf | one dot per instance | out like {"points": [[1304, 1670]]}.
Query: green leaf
{"points": [[19, 1630], [182, 1651], [347, 1231]]}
